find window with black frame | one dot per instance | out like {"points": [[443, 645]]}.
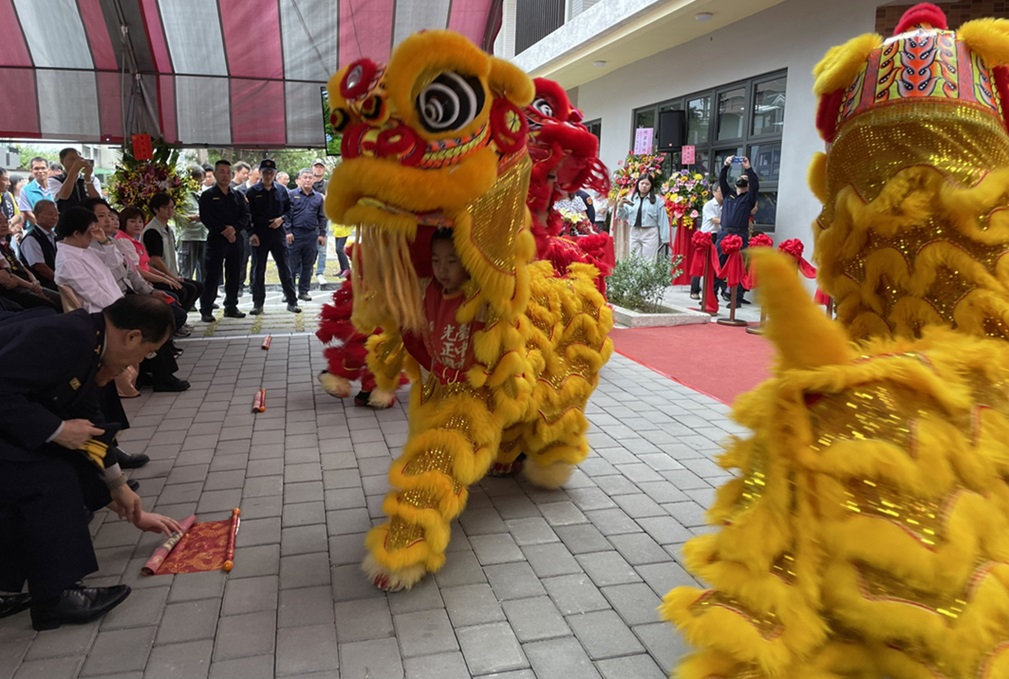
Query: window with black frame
{"points": [[745, 118]]}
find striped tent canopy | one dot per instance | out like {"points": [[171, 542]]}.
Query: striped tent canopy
{"points": [[241, 73]]}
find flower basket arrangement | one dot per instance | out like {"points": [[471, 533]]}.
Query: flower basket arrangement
{"points": [[575, 224], [685, 194], [135, 181], [630, 169]]}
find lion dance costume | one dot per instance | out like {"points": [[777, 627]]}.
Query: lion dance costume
{"points": [[868, 532], [565, 159], [437, 139]]}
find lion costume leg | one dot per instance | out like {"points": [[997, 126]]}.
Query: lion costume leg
{"points": [[452, 445], [572, 322]]}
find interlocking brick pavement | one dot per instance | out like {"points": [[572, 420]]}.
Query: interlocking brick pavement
{"points": [[538, 584]]}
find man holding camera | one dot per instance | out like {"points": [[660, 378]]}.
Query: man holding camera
{"points": [[736, 208], [76, 182]]}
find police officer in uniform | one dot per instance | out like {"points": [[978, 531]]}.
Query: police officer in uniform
{"points": [[225, 214], [54, 367], [270, 209]]}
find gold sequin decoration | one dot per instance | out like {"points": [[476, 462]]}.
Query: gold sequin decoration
{"points": [[754, 478], [960, 141], [499, 215], [422, 498], [766, 623], [877, 584], [402, 534], [435, 459], [784, 568], [924, 519], [877, 412]]}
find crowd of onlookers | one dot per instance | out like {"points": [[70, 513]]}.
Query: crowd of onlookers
{"points": [[65, 247], [92, 298]]}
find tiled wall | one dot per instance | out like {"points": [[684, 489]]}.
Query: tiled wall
{"points": [[887, 16]]}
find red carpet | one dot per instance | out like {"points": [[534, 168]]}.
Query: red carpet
{"points": [[716, 360]]}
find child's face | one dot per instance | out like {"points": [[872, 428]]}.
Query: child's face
{"points": [[448, 270]]}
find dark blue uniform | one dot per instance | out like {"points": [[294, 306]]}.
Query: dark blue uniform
{"points": [[736, 211], [50, 364], [219, 210], [265, 206], [308, 223]]}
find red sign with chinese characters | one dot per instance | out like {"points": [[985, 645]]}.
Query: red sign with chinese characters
{"points": [[142, 148]]}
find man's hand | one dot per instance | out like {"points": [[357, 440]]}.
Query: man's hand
{"points": [[728, 161], [290, 238], [75, 433], [87, 169], [746, 163], [127, 504], [322, 240], [36, 287], [276, 223], [254, 240], [229, 234], [172, 283], [156, 523], [7, 281]]}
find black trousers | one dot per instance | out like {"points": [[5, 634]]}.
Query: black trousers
{"points": [[243, 274], [275, 244], [227, 256], [29, 300], [188, 294], [44, 536]]}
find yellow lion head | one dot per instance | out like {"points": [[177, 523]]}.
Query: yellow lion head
{"points": [[914, 227], [426, 142]]}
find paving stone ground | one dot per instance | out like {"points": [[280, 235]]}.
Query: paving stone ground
{"points": [[537, 585]]}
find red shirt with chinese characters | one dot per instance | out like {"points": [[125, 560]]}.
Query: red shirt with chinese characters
{"points": [[447, 346]]}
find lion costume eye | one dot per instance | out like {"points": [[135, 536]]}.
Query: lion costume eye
{"points": [[450, 102], [543, 106]]}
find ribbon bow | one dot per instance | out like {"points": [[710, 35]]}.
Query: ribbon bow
{"points": [[794, 248], [733, 272], [758, 240]]}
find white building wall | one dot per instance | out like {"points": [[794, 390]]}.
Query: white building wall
{"points": [[794, 35]]}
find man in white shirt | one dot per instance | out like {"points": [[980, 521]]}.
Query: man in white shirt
{"points": [[78, 266], [711, 218]]}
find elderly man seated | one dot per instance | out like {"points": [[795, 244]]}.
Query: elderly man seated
{"points": [[82, 269], [53, 461], [17, 283]]}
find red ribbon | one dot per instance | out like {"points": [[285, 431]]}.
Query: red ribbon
{"points": [[701, 244], [757, 240], [794, 248], [682, 247], [734, 271]]}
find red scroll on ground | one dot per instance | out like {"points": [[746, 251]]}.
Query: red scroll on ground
{"points": [[206, 546]]}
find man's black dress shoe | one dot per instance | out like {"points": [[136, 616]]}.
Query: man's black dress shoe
{"points": [[743, 301], [233, 312], [171, 383], [77, 605], [11, 604], [207, 318], [127, 461]]}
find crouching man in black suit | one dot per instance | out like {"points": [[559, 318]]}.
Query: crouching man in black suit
{"points": [[52, 454]]}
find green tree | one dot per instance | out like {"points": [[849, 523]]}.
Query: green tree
{"points": [[27, 152]]}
